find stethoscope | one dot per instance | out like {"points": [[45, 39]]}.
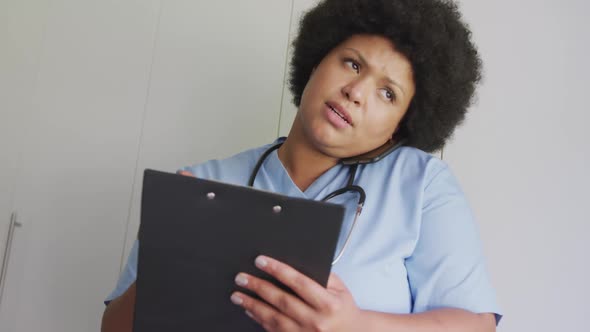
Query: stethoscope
{"points": [[350, 187]]}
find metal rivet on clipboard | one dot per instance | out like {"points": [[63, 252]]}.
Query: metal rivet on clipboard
{"points": [[211, 196], [277, 209]]}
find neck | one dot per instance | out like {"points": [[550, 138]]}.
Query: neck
{"points": [[302, 161]]}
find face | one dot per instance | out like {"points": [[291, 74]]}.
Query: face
{"points": [[356, 97]]}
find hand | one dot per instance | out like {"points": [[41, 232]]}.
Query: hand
{"points": [[319, 309]]}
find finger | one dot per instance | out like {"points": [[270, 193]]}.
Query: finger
{"points": [[288, 304], [185, 173], [264, 314], [309, 290]]}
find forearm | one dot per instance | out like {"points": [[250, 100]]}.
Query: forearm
{"points": [[118, 315], [440, 320]]}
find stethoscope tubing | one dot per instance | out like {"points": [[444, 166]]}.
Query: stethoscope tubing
{"points": [[350, 187]]}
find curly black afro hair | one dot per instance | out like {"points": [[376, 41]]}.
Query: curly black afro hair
{"points": [[430, 33]]}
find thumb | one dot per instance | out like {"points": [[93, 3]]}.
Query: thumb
{"points": [[335, 283]]}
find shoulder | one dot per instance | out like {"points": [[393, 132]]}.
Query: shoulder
{"points": [[409, 165], [235, 169], [432, 180]]}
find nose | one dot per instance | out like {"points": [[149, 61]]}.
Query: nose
{"points": [[354, 91]]}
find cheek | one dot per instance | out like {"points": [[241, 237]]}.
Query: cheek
{"points": [[322, 83], [383, 123], [309, 95]]}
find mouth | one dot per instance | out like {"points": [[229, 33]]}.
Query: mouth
{"points": [[338, 110]]}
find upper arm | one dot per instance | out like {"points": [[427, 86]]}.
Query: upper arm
{"points": [[488, 321], [447, 268]]}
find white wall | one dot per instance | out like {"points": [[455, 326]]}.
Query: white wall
{"points": [[523, 159]]}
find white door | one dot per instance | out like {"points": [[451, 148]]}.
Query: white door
{"points": [[21, 23], [20, 40], [80, 143]]}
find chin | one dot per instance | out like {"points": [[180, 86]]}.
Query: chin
{"points": [[334, 148]]}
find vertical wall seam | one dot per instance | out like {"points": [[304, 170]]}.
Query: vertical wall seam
{"points": [[28, 117], [141, 132], [285, 70]]}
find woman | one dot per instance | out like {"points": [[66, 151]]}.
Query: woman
{"points": [[368, 76]]}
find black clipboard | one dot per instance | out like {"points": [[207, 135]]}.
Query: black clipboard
{"points": [[195, 235]]}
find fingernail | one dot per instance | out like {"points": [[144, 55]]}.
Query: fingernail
{"points": [[236, 299], [249, 314], [260, 262], [241, 280]]}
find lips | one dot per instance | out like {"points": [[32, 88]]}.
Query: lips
{"points": [[340, 111]]}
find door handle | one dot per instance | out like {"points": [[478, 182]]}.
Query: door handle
{"points": [[13, 225]]}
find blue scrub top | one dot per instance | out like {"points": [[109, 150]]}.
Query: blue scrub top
{"points": [[415, 246]]}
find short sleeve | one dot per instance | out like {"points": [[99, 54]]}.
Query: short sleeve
{"points": [[128, 275], [447, 267]]}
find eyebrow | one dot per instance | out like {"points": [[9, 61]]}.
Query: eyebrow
{"points": [[363, 60]]}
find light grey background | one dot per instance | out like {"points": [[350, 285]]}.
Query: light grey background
{"points": [[523, 158], [92, 92]]}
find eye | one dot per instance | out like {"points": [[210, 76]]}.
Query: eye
{"points": [[388, 94], [353, 64]]}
